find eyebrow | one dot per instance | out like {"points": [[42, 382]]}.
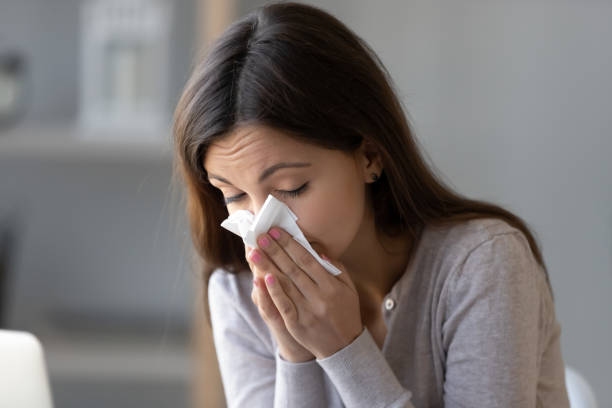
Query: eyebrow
{"points": [[266, 173]]}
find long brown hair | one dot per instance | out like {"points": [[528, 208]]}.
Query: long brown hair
{"points": [[298, 69]]}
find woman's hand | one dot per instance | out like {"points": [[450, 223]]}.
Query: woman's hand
{"points": [[320, 310], [288, 347]]}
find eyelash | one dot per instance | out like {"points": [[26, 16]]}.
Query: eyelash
{"points": [[291, 194]]}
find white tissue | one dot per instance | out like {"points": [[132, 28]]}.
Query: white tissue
{"points": [[272, 213]]}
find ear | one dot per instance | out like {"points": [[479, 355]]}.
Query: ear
{"points": [[369, 161]]}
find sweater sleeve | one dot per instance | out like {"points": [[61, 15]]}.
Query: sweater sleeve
{"points": [[496, 326], [253, 375], [362, 376]]}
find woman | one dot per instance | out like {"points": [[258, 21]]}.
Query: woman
{"points": [[442, 300]]}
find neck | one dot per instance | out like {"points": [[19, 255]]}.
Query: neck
{"points": [[375, 263]]}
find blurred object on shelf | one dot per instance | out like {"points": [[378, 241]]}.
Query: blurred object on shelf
{"points": [[125, 65], [12, 87]]}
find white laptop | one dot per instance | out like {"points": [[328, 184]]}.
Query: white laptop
{"points": [[23, 373]]}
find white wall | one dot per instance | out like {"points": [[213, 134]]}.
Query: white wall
{"points": [[513, 102]]}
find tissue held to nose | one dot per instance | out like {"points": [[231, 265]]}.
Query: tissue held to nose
{"points": [[273, 213]]}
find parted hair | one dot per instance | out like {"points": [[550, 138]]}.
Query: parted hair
{"points": [[298, 69]]}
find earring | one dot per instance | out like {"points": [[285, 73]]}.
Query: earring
{"points": [[374, 177]]}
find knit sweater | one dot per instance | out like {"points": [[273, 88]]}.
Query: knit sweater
{"points": [[470, 323]]}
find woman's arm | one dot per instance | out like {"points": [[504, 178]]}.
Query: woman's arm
{"points": [[499, 324], [363, 378], [499, 320], [252, 375]]}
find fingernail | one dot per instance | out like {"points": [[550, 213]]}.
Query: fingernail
{"points": [[263, 242], [270, 280], [255, 257], [275, 233], [324, 257]]}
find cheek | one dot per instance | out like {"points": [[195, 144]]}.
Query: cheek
{"points": [[333, 217]]}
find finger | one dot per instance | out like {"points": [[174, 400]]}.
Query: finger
{"points": [[267, 298], [264, 303], [287, 266], [254, 295], [253, 266], [247, 253], [294, 260], [283, 303], [264, 265]]}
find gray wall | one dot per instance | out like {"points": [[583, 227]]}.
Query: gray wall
{"points": [[101, 240], [97, 238], [101, 247], [513, 102]]}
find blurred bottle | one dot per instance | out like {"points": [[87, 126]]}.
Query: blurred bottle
{"points": [[12, 88], [124, 67]]}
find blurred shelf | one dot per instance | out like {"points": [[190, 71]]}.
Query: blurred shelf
{"points": [[125, 359], [67, 142]]}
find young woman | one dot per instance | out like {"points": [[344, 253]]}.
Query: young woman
{"points": [[442, 300]]}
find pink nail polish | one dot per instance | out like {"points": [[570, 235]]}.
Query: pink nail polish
{"points": [[263, 242], [275, 233], [270, 280], [255, 257]]}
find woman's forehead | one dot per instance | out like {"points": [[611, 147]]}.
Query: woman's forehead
{"points": [[256, 147]]}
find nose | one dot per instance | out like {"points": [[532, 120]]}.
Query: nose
{"points": [[256, 205]]}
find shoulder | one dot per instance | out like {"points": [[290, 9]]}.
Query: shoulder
{"points": [[454, 244], [477, 253], [232, 285], [231, 306], [486, 258], [492, 246], [229, 292], [467, 235]]}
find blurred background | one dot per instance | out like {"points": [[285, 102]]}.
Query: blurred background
{"points": [[512, 102]]}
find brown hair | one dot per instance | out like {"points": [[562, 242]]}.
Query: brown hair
{"points": [[298, 69]]}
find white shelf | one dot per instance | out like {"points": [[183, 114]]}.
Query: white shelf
{"points": [[69, 142]]}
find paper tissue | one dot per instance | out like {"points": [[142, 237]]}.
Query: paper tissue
{"points": [[272, 213]]}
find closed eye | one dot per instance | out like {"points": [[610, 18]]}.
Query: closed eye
{"points": [[291, 194]]}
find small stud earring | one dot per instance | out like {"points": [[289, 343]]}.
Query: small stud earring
{"points": [[374, 177]]}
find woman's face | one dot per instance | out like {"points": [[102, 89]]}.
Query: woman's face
{"points": [[324, 188]]}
